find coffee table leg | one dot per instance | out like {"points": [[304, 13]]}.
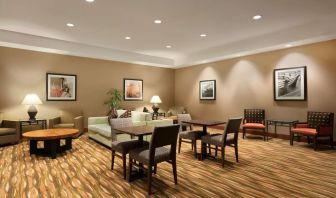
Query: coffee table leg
{"points": [[32, 146], [68, 143]]}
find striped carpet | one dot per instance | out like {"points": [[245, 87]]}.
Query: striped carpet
{"points": [[266, 169]]}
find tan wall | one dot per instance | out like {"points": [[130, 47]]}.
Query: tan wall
{"points": [[247, 82], [23, 72]]}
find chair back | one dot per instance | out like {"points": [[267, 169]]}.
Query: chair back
{"points": [[317, 119], [119, 123], [164, 136], [232, 128], [254, 116], [181, 118]]}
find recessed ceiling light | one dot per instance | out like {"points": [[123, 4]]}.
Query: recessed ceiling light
{"points": [[203, 35], [288, 45], [70, 24], [158, 21], [90, 1], [127, 38], [168, 46], [257, 17]]}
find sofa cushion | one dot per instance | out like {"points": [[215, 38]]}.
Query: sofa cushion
{"points": [[120, 112], [163, 122], [253, 126], [7, 131], [139, 116], [64, 125], [307, 131], [103, 129]]}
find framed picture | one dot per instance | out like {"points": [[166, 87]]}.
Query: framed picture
{"points": [[133, 89], [61, 87], [207, 90], [290, 83]]}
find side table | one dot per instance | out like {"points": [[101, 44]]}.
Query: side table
{"points": [[41, 122], [276, 122], [155, 116]]}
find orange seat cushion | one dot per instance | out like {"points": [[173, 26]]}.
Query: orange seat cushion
{"points": [[253, 126], [305, 131]]}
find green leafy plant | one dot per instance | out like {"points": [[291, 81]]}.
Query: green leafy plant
{"points": [[114, 97]]}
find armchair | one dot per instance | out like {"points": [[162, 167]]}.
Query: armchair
{"points": [[9, 132], [254, 119], [68, 120], [319, 124]]}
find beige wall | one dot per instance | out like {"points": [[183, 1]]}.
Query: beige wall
{"points": [[247, 82], [23, 72]]}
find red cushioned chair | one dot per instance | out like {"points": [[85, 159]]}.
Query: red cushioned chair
{"points": [[254, 119], [319, 124]]}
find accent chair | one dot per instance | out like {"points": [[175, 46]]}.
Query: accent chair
{"points": [[9, 132], [254, 119], [228, 138], [319, 124], [68, 119]]}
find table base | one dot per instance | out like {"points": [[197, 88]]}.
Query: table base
{"points": [[51, 147]]}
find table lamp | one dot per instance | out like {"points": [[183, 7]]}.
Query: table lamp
{"points": [[155, 101], [32, 100]]}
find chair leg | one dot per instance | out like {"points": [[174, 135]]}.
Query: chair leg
{"points": [[308, 139], [113, 156], [216, 151], [195, 148], [130, 169], [264, 133], [179, 146], [223, 156], [174, 170], [291, 138], [155, 168], [315, 142], [332, 142], [209, 145], [124, 164], [236, 152], [149, 179], [244, 131]]}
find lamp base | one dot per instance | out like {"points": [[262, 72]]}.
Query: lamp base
{"points": [[155, 109], [32, 111]]}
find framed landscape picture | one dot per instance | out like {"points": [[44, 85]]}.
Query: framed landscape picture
{"points": [[61, 87], [290, 83], [133, 89], [207, 89]]}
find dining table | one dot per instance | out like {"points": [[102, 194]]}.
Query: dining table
{"points": [[205, 124]]}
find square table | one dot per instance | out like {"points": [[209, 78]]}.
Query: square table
{"points": [[204, 124], [138, 131], [278, 122]]}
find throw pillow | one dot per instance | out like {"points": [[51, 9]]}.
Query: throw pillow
{"points": [[127, 114]]}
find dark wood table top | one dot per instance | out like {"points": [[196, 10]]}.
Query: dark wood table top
{"points": [[204, 122], [136, 130], [50, 134]]}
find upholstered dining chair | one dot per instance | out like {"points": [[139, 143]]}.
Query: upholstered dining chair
{"points": [[122, 146], [319, 124], [191, 135], [254, 119], [228, 138], [163, 137], [9, 132]]}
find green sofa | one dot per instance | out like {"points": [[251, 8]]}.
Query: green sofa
{"points": [[100, 130]]}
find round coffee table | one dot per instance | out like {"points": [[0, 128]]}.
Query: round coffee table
{"points": [[52, 139]]}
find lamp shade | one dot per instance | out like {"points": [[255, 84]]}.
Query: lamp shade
{"points": [[31, 99], [155, 99]]}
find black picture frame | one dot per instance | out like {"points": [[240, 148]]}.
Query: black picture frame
{"points": [[57, 90], [210, 93], [290, 84], [137, 93]]}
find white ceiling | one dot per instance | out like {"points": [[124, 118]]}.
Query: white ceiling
{"points": [[101, 27]]}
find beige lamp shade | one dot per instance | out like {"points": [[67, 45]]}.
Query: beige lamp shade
{"points": [[31, 99], [156, 100]]}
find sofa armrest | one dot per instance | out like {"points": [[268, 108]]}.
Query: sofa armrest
{"points": [[54, 121], [301, 125], [79, 123], [12, 124], [98, 120]]}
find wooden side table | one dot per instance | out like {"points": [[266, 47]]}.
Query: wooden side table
{"points": [[155, 116], [41, 122]]}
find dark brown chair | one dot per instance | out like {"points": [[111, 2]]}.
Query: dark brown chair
{"points": [[157, 151], [122, 146], [9, 132], [185, 134], [228, 138], [319, 124], [254, 119]]}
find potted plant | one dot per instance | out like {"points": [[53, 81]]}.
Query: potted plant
{"points": [[115, 96]]}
